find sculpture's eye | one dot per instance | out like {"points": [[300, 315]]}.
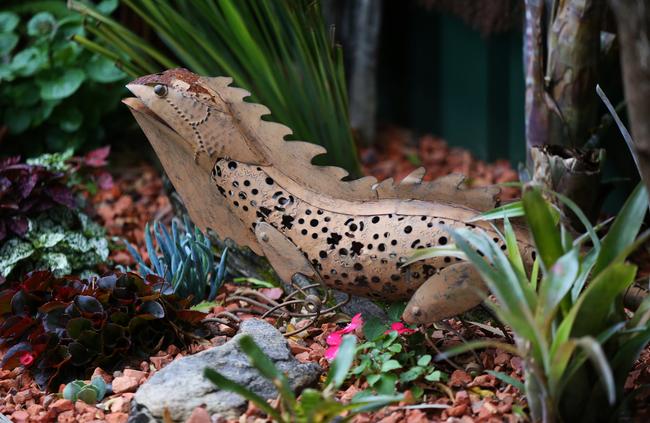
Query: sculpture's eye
{"points": [[160, 90]]}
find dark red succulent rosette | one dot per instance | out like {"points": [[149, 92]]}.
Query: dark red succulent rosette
{"points": [[60, 328]]}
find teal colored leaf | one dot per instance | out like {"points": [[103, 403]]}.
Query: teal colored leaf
{"points": [[59, 85], [88, 394], [411, 374], [42, 24], [8, 22], [72, 389], [424, 360], [99, 383], [434, 376], [7, 42], [390, 365], [101, 69], [29, 61], [106, 7], [372, 379]]}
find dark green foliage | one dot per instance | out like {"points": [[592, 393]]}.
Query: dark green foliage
{"points": [[53, 93], [390, 361], [280, 51], [313, 406], [184, 259], [62, 328]]}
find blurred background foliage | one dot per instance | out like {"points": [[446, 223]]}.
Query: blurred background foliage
{"points": [[54, 93], [282, 52]]}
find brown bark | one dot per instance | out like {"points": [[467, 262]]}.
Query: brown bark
{"points": [[573, 58], [633, 21], [561, 61]]}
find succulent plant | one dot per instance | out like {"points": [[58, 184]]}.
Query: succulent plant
{"points": [[63, 327], [90, 393], [184, 259]]}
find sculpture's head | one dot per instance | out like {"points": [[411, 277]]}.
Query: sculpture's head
{"points": [[177, 99], [189, 122], [196, 108]]}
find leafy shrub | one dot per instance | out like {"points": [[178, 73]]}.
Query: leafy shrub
{"points": [[570, 328], [392, 359], [89, 393], [62, 328], [184, 259], [313, 406], [40, 224], [26, 191], [281, 51], [52, 89], [85, 173], [62, 241]]}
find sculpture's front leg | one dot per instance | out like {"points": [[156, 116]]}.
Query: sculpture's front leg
{"points": [[450, 292]]}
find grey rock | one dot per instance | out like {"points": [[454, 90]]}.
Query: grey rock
{"points": [[181, 387]]}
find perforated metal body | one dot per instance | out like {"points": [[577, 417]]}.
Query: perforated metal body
{"points": [[360, 254]]}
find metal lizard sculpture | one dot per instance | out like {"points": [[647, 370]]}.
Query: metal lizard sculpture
{"points": [[238, 176]]}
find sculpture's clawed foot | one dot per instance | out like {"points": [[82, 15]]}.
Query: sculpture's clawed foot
{"points": [[452, 291]]}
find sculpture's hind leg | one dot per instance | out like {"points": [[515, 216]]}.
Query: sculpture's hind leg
{"points": [[450, 292]]}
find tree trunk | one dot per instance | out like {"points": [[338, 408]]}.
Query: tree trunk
{"points": [[357, 25], [633, 21]]}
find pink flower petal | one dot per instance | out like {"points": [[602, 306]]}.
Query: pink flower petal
{"points": [[400, 329], [355, 323], [26, 358], [335, 338], [330, 353]]}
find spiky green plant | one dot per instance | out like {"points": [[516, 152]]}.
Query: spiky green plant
{"points": [[567, 314], [184, 258], [279, 50]]}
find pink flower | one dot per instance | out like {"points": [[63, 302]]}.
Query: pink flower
{"points": [[400, 329], [335, 338], [26, 358]]}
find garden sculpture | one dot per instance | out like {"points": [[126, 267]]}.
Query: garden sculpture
{"points": [[238, 176]]}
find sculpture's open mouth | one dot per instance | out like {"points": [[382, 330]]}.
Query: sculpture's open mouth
{"points": [[138, 105]]}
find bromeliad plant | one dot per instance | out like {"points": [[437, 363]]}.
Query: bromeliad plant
{"points": [[569, 322], [313, 406], [62, 328], [184, 259]]}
